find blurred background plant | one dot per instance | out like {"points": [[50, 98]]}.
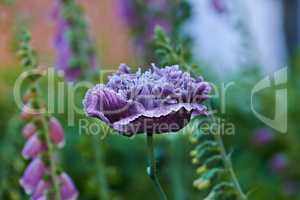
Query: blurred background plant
{"points": [[215, 35], [141, 17], [75, 55]]}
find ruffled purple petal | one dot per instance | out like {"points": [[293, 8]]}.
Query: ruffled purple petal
{"points": [[154, 101], [107, 105], [160, 120], [123, 69]]}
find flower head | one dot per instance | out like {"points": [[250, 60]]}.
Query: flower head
{"points": [[262, 136], [33, 175], [289, 187], [156, 101], [39, 192], [279, 162], [56, 132], [75, 56], [29, 130], [68, 189], [219, 6], [33, 147]]}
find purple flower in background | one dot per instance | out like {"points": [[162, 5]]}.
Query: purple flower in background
{"points": [[163, 23], [289, 187], [70, 47], [262, 136], [32, 147], [157, 4], [219, 6], [68, 190], [39, 192], [279, 162], [56, 132], [156, 101], [43, 134], [33, 175], [142, 17], [36, 147], [29, 130], [127, 11]]}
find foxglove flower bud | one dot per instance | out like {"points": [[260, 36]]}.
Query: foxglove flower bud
{"points": [[56, 132], [32, 147], [39, 192], [32, 175], [28, 130], [68, 190], [27, 113]]}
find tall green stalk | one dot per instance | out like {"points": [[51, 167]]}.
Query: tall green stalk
{"points": [[152, 169]]}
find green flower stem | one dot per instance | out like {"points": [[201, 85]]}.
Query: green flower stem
{"points": [[229, 167], [53, 170], [100, 171], [227, 162], [50, 152], [152, 169], [178, 186]]}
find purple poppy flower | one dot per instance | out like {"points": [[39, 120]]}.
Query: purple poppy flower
{"points": [[68, 190], [262, 136], [32, 175], [56, 132], [157, 101], [279, 162], [32, 147]]}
